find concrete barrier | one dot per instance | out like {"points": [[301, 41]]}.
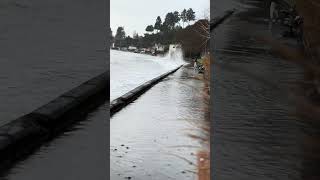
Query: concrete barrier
{"points": [[60, 111], [122, 101], [20, 135], [220, 19], [26, 133]]}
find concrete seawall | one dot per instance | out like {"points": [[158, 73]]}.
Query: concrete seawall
{"points": [[122, 101], [220, 19], [22, 135]]}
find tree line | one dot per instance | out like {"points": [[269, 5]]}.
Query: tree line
{"points": [[171, 20], [160, 32], [169, 31]]}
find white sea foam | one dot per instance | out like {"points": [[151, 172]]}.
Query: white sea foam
{"points": [[129, 70]]}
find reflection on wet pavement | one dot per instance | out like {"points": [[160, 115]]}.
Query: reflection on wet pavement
{"points": [[152, 137], [79, 154]]}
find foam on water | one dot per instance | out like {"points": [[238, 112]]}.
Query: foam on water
{"points": [[129, 70]]}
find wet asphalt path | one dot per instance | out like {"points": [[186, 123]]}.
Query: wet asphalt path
{"points": [[256, 134], [152, 137]]}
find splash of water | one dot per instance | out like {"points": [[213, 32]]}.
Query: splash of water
{"points": [[174, 56], [129, 70]]}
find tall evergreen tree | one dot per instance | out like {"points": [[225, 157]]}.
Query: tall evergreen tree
{"points": [[176, 17], [190, 15], [111, 36], [149, 28], [119, 37], [158, 23], [183, 17], [169, 21]]}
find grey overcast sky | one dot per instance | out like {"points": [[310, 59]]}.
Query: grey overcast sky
{"points": [[135, 15]]}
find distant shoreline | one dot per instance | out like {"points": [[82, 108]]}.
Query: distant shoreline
{"points": [[159, 54]]}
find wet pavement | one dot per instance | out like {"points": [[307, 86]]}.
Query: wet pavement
{"points": [[78, 154], [46, 49], [159, 135], [256, 134]]}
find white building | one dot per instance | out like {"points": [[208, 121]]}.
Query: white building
{"points": [[132, 48], [124, 49], [159, 47]]}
